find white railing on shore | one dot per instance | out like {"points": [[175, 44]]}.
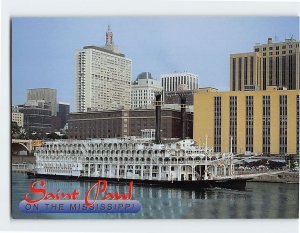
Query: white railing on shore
{"points": [[22, 167]]}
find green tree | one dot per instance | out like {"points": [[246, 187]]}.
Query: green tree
{"points": [[15, 130]]}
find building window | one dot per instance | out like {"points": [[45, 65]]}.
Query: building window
{"points": [[283, 68], [291, 72], [283, 124], [240, 75], [245, 71], [270, 71], [277, 71], [266, 118], [251, 70], [249, 123], [233, 123], [233, 74], [264, 74], [217, 123]]}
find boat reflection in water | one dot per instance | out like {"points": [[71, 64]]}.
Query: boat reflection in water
{"points": [[259, 200]]}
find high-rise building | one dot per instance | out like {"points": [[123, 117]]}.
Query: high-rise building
{"points": [[37, 115], [143, 89], [174, 97], [63, 113], [17, 116], [264, 122], [171, 82], [103, 77], [271, 64], [46, 94]]}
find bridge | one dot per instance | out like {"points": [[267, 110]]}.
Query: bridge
{"points": [[18, 145]]}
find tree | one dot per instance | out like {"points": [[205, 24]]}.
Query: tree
{"points": [[15, 130]]}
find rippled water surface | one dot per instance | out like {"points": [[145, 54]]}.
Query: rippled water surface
{"points": [[259, 200]]}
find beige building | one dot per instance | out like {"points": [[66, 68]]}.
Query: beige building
{"points": [[271, 64], [18, 117], [264, 122], [103, 78]]}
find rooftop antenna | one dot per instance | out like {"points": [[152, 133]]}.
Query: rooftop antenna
{"points": [[109, 38]]}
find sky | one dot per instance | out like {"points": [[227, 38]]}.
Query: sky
{"points": [[43, 49]]}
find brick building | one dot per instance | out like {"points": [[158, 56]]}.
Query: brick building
{"points": [[122, 123]]}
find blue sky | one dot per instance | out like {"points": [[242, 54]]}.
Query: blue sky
{"points": [[43, 49]]}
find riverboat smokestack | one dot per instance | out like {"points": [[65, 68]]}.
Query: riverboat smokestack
{"points": [[183, 116], [157, 118]]}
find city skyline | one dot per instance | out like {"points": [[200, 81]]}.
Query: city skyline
{"points": [[160, 45]]}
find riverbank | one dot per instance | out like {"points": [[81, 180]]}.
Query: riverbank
{"points": [[20, 159], [286, 177]]}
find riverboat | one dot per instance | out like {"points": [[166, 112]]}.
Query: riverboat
{"points": [[171, 164], [146, 160]]}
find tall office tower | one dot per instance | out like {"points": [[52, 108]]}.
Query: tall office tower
{"points": [[63, 113], [103, 77], [272, 64], [142, 91], [171, 82], [46, 94]]}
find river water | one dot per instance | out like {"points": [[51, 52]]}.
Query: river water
{"points": [[259, 200]]}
